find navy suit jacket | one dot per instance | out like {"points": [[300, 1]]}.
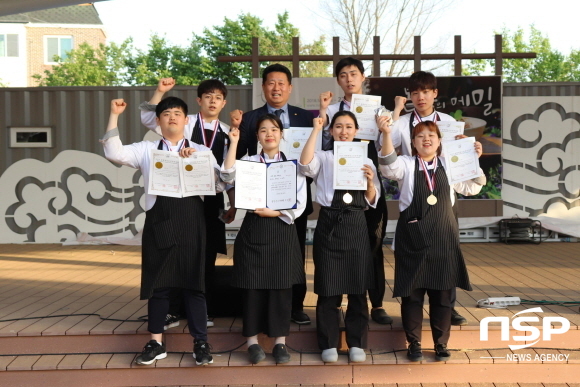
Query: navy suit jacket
{"points": [[248, 140]]}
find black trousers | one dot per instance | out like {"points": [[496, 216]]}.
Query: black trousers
{"points": [[195, 310], [439, 314], [299, 290], [267, 311], [356, 321]]}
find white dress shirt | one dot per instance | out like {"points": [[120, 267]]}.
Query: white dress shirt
{"points": [[321, 169]]}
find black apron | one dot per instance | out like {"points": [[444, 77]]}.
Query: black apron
{"points": [[342, 252], [173, 244], [267, 254], [216, 229], [427, 252]]}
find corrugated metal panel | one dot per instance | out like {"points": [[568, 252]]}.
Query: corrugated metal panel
{"points": [[79, 115], [544, 89]]}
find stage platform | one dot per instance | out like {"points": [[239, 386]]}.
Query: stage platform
{"points": [[54, 280]]}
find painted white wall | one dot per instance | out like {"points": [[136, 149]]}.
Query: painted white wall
{"points": [[13, 70]]}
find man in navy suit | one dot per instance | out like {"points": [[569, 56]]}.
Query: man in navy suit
{"points": [[276, 87]]}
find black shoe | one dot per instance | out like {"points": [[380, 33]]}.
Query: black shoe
{"points": [[201, 353], [380, 316], [441, 352], [281, 354], [171, 321], [414, 352], [256, 353], [299, 317], [457, 319], [151, 352]]}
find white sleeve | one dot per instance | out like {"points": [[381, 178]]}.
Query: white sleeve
{"points": [[115, 151], [313, 168], [289, 216], [148, 117], [471, 187]]}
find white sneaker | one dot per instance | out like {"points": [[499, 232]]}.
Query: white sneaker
{"points": [[357, 355], [329, 355], [209, 323]]}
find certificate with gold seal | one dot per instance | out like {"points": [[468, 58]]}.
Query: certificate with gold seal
{"points": [[174, 176], [461, 160], [349, 159], [450, 129], [294, 139], [363, 107]]}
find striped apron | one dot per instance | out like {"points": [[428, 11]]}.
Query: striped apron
{"points": [[173, 246], [342, 251], [267, 254], [427, 252]]}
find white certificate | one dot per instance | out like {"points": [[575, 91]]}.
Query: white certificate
{"points": [[265, 185], [164, 174], [349, 159], [363, 107], [461, 159], [450, 129], [197, 174], [294, 141]]}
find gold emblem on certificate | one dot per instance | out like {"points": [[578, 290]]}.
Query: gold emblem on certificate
{"points": [[454, 159], [296, 144], [432, 200], [189, 167], [347, 198], [159, 165], [342, 161], [359, 109]]}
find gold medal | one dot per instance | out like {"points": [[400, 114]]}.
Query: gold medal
{"points": [[159, 165], [432, 199], [342, 161], [359, 109], [296, 144], [189, 168], [347, 198]]}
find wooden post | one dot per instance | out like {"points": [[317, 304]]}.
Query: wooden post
{"points": [[498, 55], [417, 53], [295, 60], [255, 55], [335, 52], [376, 56], [457, 63]]}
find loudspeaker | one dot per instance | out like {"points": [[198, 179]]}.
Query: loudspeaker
{"points": [[223, 300]]}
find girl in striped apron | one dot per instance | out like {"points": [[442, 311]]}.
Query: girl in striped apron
{"points": [[342, 252], [267, 254], [428, 258]]}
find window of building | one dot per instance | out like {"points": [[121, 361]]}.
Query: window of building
{"points": [[8, 45], [31, 137], [57, 46]]}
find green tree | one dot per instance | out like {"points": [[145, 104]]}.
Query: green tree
{"points": [[550, 65], [89, 66], [163, 60], [234, 38]]}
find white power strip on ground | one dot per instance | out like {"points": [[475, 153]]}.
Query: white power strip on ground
{"points": [[498, 302]]}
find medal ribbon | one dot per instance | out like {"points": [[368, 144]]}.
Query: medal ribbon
{"points": [[168, 144], [263, 159], [346, 103], [430, 180], [202, 128], [418, 117]]}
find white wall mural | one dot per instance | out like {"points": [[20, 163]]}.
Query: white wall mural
{"points": [[541, 159], [76, 192]]}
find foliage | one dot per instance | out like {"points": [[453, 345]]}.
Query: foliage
{"points": [[88, 66], [550, 65]]}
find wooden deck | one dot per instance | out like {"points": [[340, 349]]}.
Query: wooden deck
{"points": [[52, 280]]}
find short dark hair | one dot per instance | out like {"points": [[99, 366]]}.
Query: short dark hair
{"points": [[276, 68], [272, 117], [421, 126], [211, 85], [170, 103], [344, 113], [422, 80], [350, 61]]}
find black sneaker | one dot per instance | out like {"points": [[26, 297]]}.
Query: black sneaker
{"points": [[299, 317], [414, 352], [457, 319], [171, 321], [280, 354], [201, 353], [441, 352], [380, 316], [151, 352]]}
